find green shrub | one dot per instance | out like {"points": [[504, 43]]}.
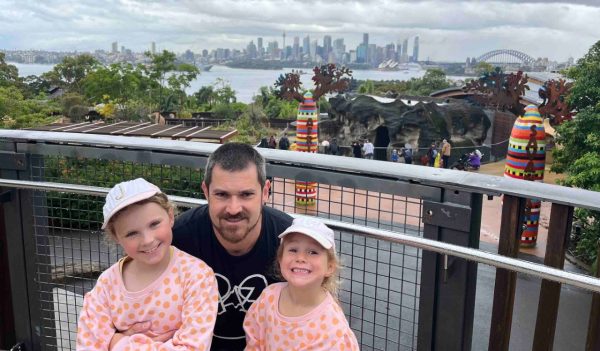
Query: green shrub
{"points": [[84, 212]]}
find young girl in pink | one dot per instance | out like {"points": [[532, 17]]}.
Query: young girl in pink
{"points": [[301, 313], [169, 297]]}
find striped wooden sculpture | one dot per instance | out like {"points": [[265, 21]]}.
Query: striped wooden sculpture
{"points": [[307, 140], [526, 159]]}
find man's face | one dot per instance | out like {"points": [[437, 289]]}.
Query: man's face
{"points": [[235, 202]]}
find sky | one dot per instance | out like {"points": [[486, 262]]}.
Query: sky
{"points": [[449, 30]]}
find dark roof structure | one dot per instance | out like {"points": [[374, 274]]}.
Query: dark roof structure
{"points": [[151, 130]]}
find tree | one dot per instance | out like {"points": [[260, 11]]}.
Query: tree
{"points": [[121, 81], [18, 112], [367, 87], [35, 85], [586, 90], [9, 74], [205, 96], [433, 80], [482, 68], [70, 73], [578, 147], [164, 70]]}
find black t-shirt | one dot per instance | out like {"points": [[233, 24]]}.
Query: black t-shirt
{"points": [[241, 279]]}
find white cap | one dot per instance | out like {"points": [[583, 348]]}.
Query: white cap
{"points": [[313, 228], [125, 194]]}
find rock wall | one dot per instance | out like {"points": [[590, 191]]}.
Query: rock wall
{"points": [[393, 124]]}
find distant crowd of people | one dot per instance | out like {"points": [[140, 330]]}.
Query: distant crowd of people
{"points": [[437, 155]]}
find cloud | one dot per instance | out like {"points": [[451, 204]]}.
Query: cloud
{"points": [[449, 30]]}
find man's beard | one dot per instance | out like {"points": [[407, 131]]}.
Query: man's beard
{"points": [[232, 236]]}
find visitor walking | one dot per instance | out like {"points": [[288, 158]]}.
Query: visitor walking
{"points": [[446, 150], [431, 154], [368, 148]]}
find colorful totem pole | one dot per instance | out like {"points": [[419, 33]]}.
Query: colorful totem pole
{"points": [[327, 79], [526, 159], [307, 139]]}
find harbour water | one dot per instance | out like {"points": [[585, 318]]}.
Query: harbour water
{"points": [[247, 82]]}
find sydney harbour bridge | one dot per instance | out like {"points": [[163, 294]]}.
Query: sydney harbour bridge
{"points": [[506, 57]]}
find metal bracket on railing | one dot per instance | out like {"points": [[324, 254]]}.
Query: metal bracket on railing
{"points": [[18, 347], [447, 215]]}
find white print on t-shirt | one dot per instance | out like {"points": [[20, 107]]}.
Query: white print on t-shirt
{"points": [[240, 296]]}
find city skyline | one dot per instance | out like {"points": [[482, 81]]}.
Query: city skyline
{"points": [[448, 31]]}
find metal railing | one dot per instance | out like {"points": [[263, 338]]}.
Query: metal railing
{"points": [[408, 235]]}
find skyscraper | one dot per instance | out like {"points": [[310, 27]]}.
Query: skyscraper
{"points": [[415, 56], [283, 47], [326, 45], [115, 47], [313, 50], [339, 49], [153, 48], [251, 49], [366, 44], [405, 50], [259, 48], [306, 45], [296, 49]]}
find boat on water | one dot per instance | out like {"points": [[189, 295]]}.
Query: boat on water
{"points": [[204, 68]]}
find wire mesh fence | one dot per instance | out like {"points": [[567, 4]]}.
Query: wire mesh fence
{"points": [[380, 280]]}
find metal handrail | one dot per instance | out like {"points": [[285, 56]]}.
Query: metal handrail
{"points": [[437, 177], [491, 259]]}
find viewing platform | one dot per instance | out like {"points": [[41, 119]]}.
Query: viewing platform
{"points": [[416, 274]]}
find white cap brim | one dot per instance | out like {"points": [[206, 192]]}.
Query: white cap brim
{"points": [[320, 238], [129, 201]]}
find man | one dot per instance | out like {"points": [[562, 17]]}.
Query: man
{"points": [[284, 142], [357, 149], [235, 234], [431, 154], [333, 147], [368, 149], [407, 152], [446, 149]]}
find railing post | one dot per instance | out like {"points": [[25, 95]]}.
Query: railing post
{"points": [[593, 334], [7, 318], [561, 219], [15, 296], [447, 296], [506, 281]]}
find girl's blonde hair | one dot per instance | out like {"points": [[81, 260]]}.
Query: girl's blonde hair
{"points": [[331, 283], [160, 199]]}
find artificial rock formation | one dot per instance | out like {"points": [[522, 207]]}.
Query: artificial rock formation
{"points": [[393, 124]]}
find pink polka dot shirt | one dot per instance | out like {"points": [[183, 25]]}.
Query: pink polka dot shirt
{"points": [[323, 328], [183, 299]]}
